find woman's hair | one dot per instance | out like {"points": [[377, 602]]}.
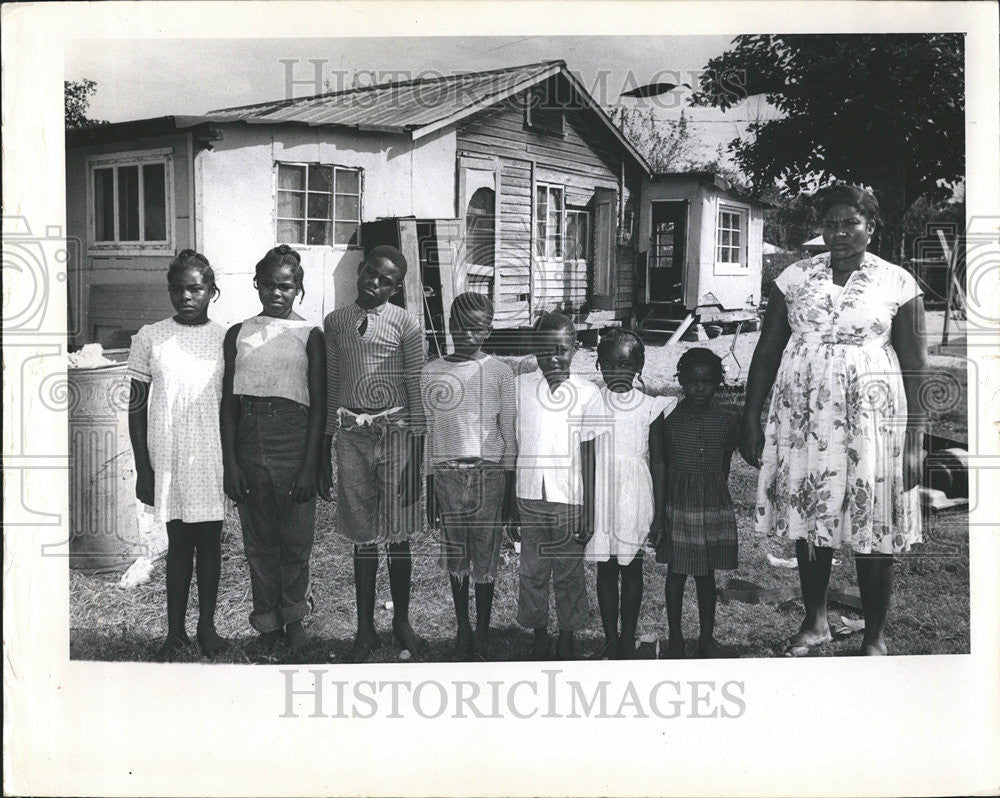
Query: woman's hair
{"points": [[391, 254], [844, 194], [614, 336], [699, 356], [189, 259], [283, 255], [470, 302]]}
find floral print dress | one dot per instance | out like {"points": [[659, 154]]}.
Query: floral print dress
{"points": [[832, 468]]}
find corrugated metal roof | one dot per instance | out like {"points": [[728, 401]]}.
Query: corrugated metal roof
{"points": [[401, 106]]}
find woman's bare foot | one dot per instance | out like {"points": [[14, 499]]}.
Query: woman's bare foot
{"points": [[874, 648], [806, 639]]}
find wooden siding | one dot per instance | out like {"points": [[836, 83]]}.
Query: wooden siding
{"points": [[586, 157]]}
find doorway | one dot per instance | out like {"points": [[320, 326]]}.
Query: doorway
{"points": [[667, 253]]}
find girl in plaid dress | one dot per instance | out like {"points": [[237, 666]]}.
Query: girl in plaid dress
{"points": [[700, 528]]}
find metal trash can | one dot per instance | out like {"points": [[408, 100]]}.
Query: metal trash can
{"points": [[104, 524]]}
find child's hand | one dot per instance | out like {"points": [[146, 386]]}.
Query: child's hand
{"points": [[433, 516], [514, 531], [145, 483], [409, 489], [584, 531], [304, 485], [657, 531], [326, 479], [234, 483]]}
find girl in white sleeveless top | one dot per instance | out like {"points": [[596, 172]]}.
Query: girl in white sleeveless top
{"points": [[274, 412]]}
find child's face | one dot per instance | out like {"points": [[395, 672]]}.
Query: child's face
{"points": [[190, 295], [700, 382], [554, 352], [378, 280], [277, 289], [470, 329], [619, 365]]}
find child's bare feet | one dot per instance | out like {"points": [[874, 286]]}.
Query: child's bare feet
{"points": [[262, 649], [542, 646], [874, 648], [408, 639], [628, 650], [806, 639], [565, 646], [675, 648], [210, 641], [612, 649], [481, 645], [463, 645], [171, 647], [295, 637], [708, 648], [365, 641]]}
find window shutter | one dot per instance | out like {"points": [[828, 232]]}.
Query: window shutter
{"points": [[605, 227]]}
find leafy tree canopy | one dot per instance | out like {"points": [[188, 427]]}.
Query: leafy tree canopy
{"points": [[76, 95]]}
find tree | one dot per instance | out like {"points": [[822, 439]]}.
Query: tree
{"points": [[666, 145], [76, 95], [886, 111]]}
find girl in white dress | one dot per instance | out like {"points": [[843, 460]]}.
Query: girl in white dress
{"points": [[175, 366], [629, 502]]}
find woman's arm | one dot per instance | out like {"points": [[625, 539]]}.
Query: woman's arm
{"points": [[658, 470], [234, 483], [910, 343], [309, 475], [138, 431], [763, 369]]}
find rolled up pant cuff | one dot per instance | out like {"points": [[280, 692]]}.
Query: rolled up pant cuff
{"points": [[293, 613], [266, 621]]}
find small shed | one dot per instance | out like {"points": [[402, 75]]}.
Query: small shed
{"points": [[700, 247], [815, 245]]}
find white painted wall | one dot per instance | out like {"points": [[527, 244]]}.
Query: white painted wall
{"points": [[236, 203]]}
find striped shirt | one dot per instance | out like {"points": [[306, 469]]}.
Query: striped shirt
{"points": [[470, 407], [377, 370]]}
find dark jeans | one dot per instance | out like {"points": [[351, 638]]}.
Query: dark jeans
{"points": [[277, 532]]}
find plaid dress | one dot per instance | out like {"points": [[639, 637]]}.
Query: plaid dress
{"points": [[700, 522]]}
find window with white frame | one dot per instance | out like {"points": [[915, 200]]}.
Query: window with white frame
{"points": [[731, 237], [131, 201], [549, 222], [318, 205], [577, 241]]}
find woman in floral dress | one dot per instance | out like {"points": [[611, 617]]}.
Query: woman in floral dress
{"points": [[843, 347]]}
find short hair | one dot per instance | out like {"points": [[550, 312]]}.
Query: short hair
{"points": [[554, 322], [613, 336], [470, 302], [189, 259], [699, 356], [391, 254], [283, 255], [858, 198]]}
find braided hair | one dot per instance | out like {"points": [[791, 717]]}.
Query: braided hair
{"points": [[283, 255], [189, 259]]}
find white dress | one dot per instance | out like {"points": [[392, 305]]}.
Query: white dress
{"points": [[183, 365], [623, 501]]}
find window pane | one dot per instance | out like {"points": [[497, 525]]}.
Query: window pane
{"points": [[348, 208], [154, 200], [346, 233], [571, 234], [540, 239], [104, 205], [128, 203], [735, 240], [290, 205], [318, 233], [290, 232], [541, 204], [724, 238], [348, 182], [556, 194], [291, 177], [319, 206], [321, 178]]}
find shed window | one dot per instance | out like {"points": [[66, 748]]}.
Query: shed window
{"points": [[549, 222], [577, 234], [130, 201], [731, 237], [318, 205]]}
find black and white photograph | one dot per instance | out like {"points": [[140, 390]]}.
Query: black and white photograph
{"points": [[380, 383]]}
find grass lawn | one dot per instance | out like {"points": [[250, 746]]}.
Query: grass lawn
{"points": [[929, 614]]}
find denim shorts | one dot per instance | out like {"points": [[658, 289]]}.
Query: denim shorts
{"points": [[370, 463], [470, 497]]}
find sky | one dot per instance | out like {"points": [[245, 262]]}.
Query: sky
{"points": [[139, 78]]}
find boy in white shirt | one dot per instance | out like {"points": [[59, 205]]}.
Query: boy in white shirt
{"points": [[558, 416]]}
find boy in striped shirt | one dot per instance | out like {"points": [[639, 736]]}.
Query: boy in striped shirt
{"points": [[374, 353], [469, 403]]}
